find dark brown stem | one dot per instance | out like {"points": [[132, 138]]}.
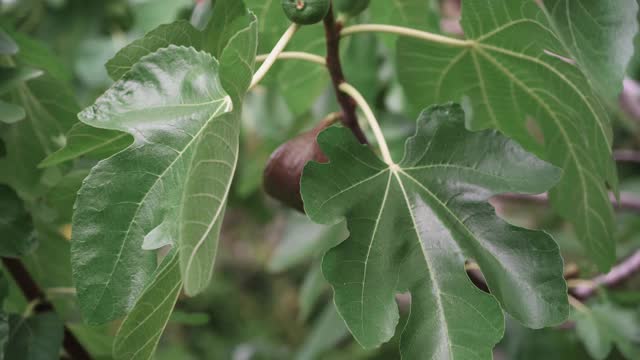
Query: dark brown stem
{"points": [[34, 294], [332, 34], [628, 202]]}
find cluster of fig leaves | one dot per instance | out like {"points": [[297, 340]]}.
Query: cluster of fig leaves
{"points": [[534, 81]]}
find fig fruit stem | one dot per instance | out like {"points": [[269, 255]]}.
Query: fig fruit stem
{"points": [[273, 55], [408, 32], [296, 55], [371, 119]]}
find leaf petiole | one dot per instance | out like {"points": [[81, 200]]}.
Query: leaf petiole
{"points": [[371, 119], [273, 56], [295, 55], [403, 31]]}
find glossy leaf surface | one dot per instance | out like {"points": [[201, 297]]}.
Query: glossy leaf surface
{"points": [[413, 226]]}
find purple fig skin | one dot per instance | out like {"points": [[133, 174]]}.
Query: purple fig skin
{"points": [[284, 169]]}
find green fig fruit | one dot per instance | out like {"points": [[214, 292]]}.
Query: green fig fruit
{"points": [[306, 12]]}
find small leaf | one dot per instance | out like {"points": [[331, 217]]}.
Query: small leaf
{"points": [[414, 225], [140, 331], [311, 290], [11, 113], [7, 45], [16, 227], [84, 140], [599, 35], [603, 325], [511, 78], [10, 77], [327, 332], [50, 110], [38, 337]]}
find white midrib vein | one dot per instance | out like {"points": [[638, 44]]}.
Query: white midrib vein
{"points": [[215, 217], [224, 101], [366, 260], [426, 259]]}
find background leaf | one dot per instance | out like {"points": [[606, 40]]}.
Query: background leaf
{"points": [[38, 337], [18, 237], [519, 87], [599, 35], [602, 326]]}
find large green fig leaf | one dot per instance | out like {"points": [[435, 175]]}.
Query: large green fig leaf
{"points": [[599, 35], [172, 103], [182, 108], [413, 225], [509, 75]]}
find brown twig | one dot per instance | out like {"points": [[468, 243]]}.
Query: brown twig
{"points": [[618, 274], [332, 34], [628, 202], [627, 156], [34, 294]]}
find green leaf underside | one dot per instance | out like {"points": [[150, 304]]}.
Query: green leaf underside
{"points": [[226, 22], [600, 36], [170, 186], [413, 226], [510, 78], [140, 331], [172, 103]]}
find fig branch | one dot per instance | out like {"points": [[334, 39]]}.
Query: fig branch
{"points": [[347, 104], [35, 295]]}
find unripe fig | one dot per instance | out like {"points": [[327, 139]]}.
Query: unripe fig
{"points": [[306, 12], [284, 168], [351, 7]]}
